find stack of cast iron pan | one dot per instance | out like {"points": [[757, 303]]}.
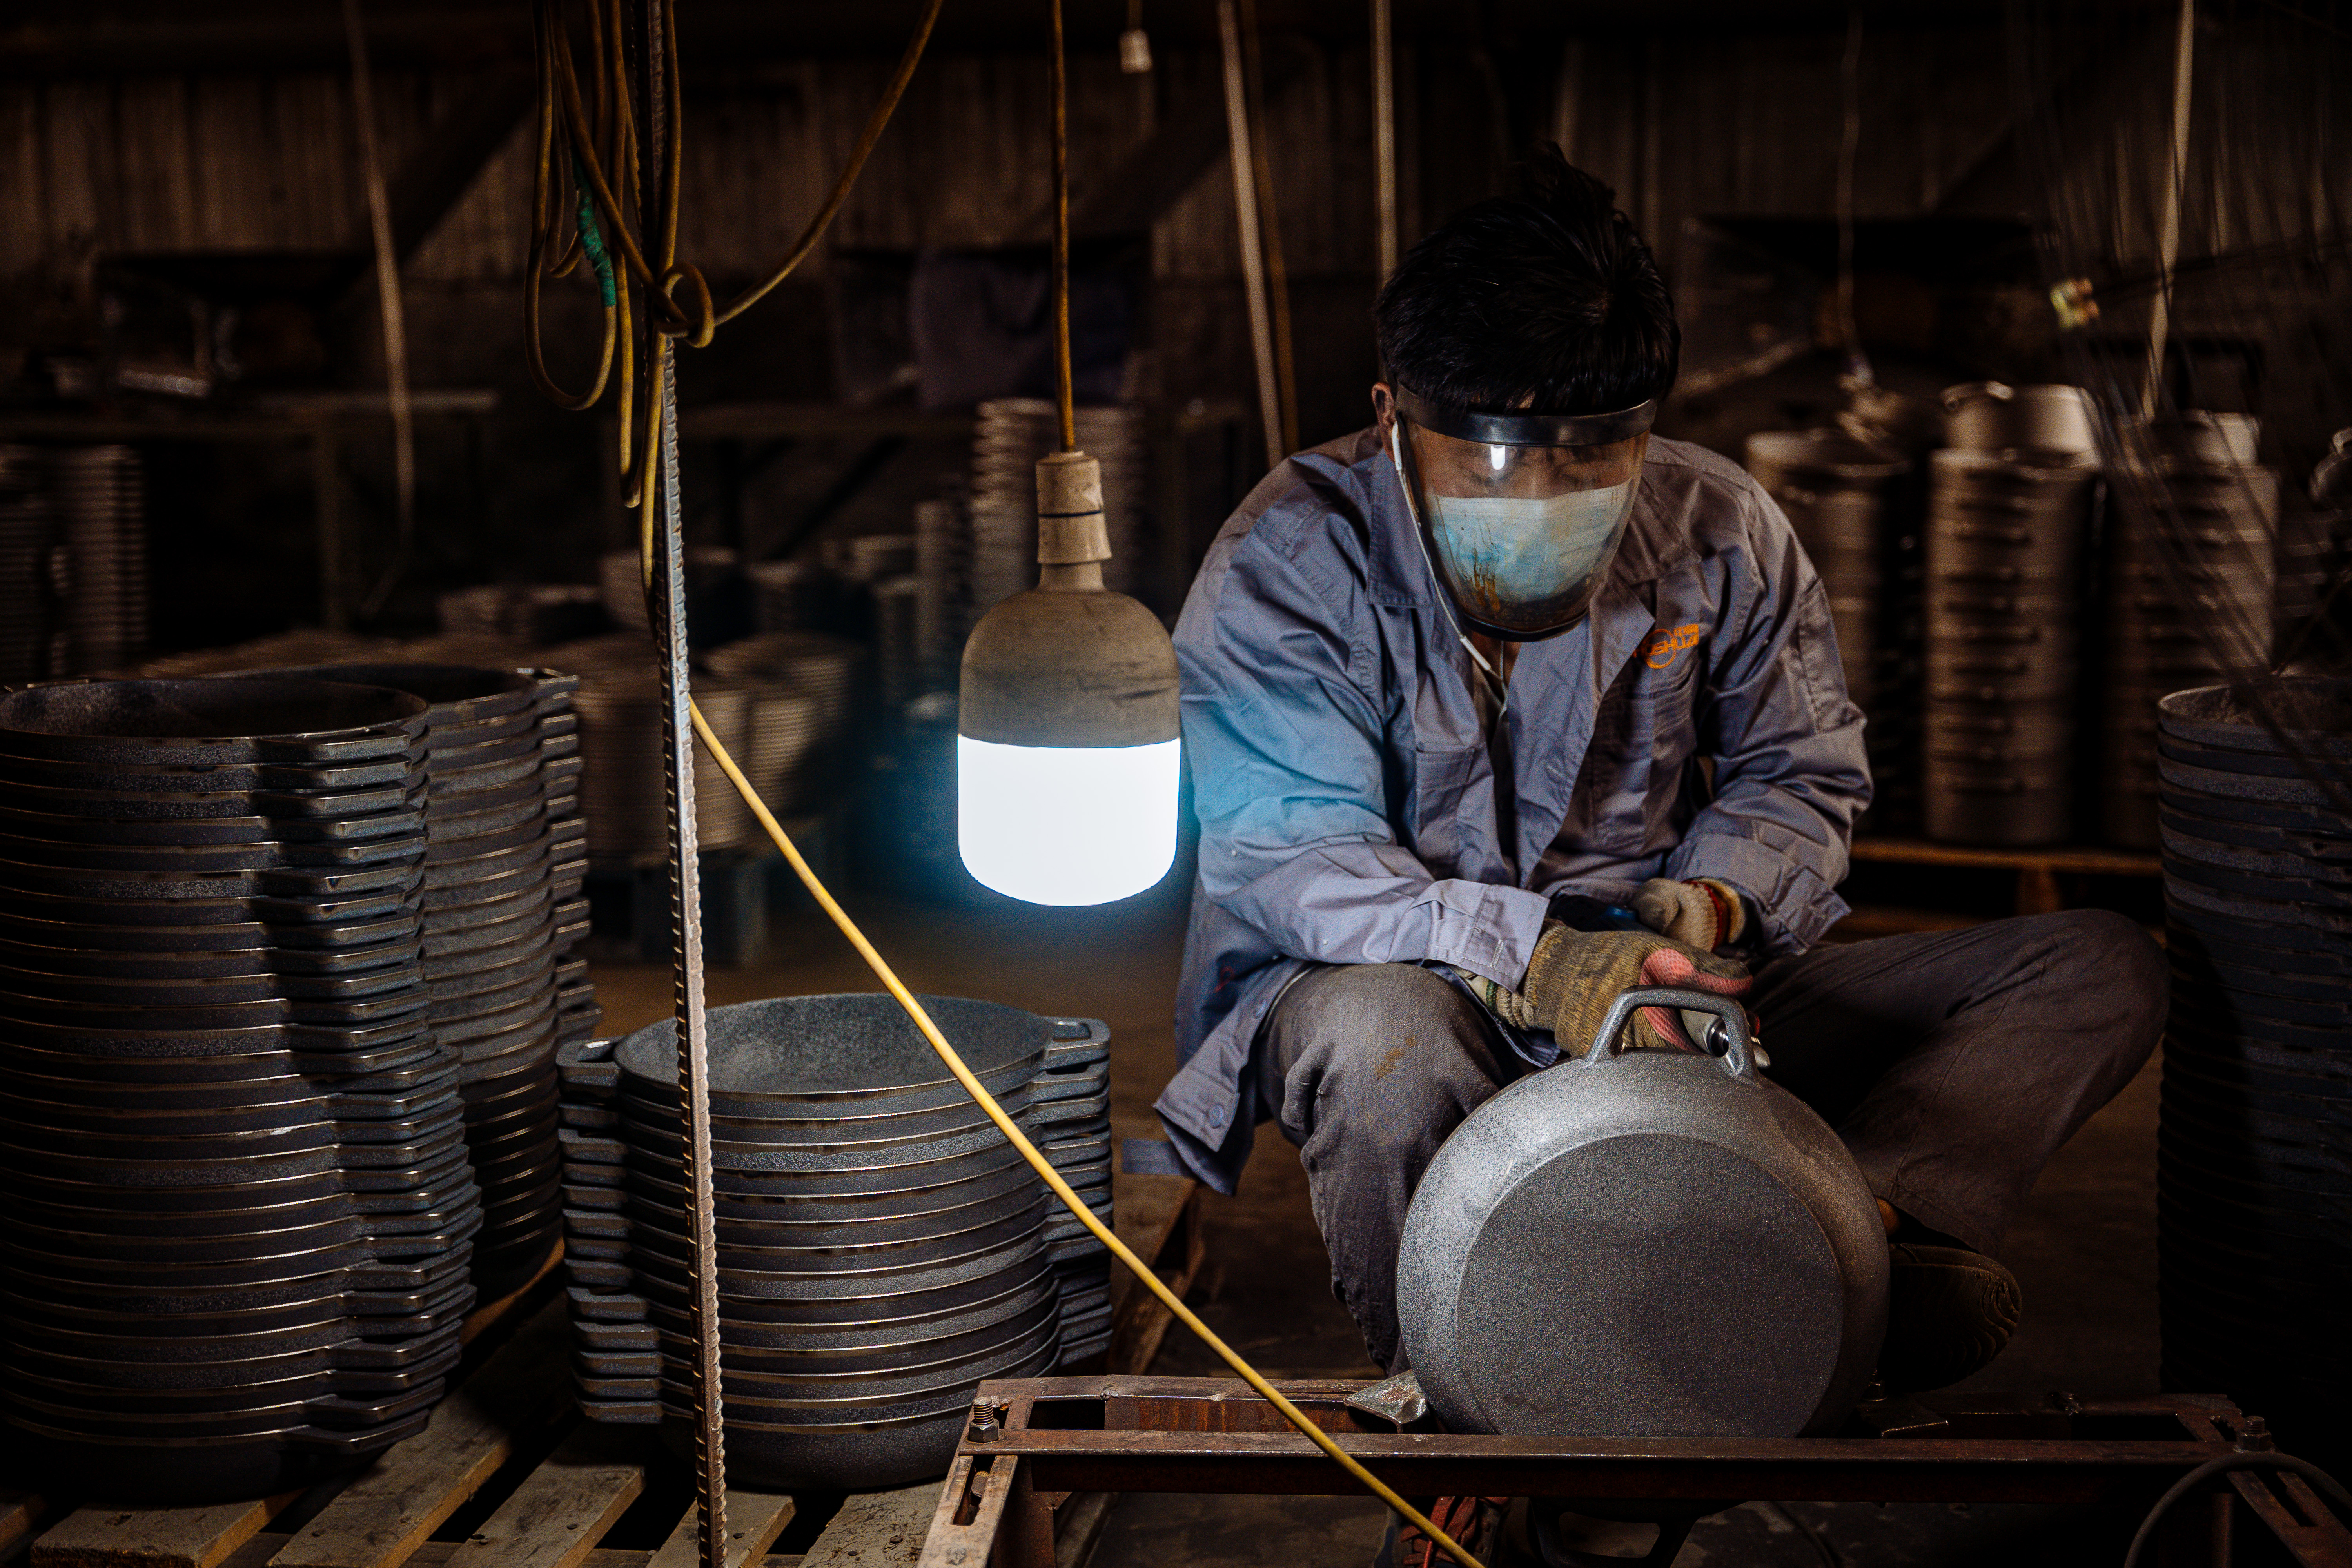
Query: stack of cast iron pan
{"points": [[239, 1209], [2190, 580], [882, 1249], [491, 913], [1069, 1120], [30, 582], [1855, 516], [619, 704], [577, 1016], [2008, 514], [2254, 1141]]}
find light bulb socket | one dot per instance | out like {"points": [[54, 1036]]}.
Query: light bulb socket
{"points": [[1070, 527]]}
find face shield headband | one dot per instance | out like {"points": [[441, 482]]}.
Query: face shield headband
{"points": [[1520, 514]]}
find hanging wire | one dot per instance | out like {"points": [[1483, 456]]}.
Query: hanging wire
{"points": [[1857, 363], [601, 231], [629, 236], [1065, 393]]}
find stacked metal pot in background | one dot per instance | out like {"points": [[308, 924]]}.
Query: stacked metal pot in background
{"points": [[2191, 584], [882, 1249], [240, 1207], [2008, 519], [2252, 1184], [1847, 501]]}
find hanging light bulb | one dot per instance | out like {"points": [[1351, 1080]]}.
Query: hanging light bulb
{"points": [[1067, 748]]}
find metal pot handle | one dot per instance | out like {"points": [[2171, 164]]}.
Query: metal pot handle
{"points": [[1739, 1051]]}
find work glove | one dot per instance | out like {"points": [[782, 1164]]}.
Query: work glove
{"points": [[1575, 976], [1702, 913]]}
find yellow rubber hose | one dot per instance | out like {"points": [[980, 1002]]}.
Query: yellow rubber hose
{"points": [[1044, 1168]]}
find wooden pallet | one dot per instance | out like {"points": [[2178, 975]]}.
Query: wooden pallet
{"points": [[515, 1402]]}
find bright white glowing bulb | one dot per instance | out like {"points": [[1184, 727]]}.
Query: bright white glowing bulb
{"points": [[1067, 824]]}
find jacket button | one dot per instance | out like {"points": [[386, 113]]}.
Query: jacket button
{"points": [[1217, 1116]]}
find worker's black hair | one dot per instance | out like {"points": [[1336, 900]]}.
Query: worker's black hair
{"points": [[1547, 300]]}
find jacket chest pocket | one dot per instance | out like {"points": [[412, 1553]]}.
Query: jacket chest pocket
{"points": [[1444, 779], [1647, 730]]}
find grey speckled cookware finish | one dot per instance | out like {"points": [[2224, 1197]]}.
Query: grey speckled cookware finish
{"points": [[1644, 1244]]}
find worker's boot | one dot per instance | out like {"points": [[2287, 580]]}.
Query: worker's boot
{"points": [[1948, 1312], [1472, 1522]]}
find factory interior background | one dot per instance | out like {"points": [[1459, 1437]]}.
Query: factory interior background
{"points": [[267, 399]]}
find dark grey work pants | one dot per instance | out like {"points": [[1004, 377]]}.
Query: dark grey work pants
{"points": [[1953, 1064]]}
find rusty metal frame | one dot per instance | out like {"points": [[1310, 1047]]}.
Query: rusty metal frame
{"points": [[1032, 1442]]}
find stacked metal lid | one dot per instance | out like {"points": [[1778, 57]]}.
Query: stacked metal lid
{"points": [[239, 1212], [493, 903], [620, 576], [805, 747], [561, 767], [943, 588], [27, 591], [101, 511], [2253, 1157], [2009, 514], [1069, 1120], [1008, 437], [619, 706], [1846, 498], [2189, 581], [882, 1249]]}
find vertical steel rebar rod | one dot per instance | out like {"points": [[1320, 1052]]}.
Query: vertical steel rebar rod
{"points": [[1237, 133], [668, 613]]}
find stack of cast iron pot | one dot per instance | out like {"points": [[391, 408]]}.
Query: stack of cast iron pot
{"points": [[882, 1249], [239, 1213], [495, 899], [2008, 515], [2253, 1160], [2189, 581], [1847, 501]]}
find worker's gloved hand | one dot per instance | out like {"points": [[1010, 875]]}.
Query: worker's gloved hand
{"points": [[1576, 974], [1704, 913]]}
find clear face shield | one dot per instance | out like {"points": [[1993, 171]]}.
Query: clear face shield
{"points": [[1520, 514]]}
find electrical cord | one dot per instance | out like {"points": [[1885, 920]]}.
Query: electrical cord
{"points": [[614, 251], [2323, 1483], [1044, 1168]]}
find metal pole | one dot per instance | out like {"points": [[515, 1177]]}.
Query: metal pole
{"points": [[668, 613], [2168, 237], [1237, 133], [1384, 189]]}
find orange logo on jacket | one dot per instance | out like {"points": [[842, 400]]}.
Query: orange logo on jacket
{"points": [[1666, 646]]}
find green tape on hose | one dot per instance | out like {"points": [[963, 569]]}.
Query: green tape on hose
{"points": [[592, 240]]}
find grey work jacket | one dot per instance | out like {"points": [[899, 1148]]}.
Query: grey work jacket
{"points": [[1349, 804]]}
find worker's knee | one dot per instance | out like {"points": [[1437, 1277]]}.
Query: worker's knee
{"points": [[1359, 1034], [2109, 974]]}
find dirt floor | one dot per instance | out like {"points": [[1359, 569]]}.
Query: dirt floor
{"points": [[2084, 1252]]}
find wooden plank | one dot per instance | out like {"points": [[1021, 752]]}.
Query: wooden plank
{"points": [[257, 1552], [19, 1511], [562, 1508], [1167, 1237], [391, 1507], [154, 1537], [755, 1520], [877, 1530], [2080, 859]]}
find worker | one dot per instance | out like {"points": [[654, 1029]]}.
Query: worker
{"points": [[1503, 705]]}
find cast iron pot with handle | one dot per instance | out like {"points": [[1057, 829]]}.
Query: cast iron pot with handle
{"points": [[1648, 1243]]}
